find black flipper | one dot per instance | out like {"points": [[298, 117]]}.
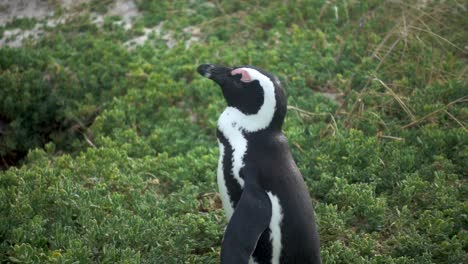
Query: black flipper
{"points": [[251, 217]]}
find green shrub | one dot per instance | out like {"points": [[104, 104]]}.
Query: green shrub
{"points": [[121, 150], [55, 93]]}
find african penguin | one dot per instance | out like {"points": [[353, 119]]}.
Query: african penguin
{"points": [[265, 198]]}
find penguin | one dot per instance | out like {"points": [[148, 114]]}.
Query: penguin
{"points": [[264, 196]]}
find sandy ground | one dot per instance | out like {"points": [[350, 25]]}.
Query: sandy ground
{"points": [[43, 11], [9, 9]]}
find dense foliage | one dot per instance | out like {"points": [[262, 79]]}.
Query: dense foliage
{"points": [[121, 148]]}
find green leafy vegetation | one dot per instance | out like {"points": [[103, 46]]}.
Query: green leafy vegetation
{"points": [[22, 23], [119, 142]]}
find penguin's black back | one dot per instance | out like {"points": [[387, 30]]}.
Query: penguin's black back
{"points": [[269, 152]]}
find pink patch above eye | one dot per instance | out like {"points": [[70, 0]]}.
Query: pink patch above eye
{"points": [[245, 75]]}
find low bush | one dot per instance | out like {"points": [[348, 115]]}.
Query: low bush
{"points": [[120, 146]]}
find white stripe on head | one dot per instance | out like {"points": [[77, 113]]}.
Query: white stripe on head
{"points": [[263, 118]]}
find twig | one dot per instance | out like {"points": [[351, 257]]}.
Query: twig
{"points": [[391, 137], [459, 100], [380, 119], [439, 36], [302, 111], [455, 119], [386, 54], [88, 140], [397, 98], [335, 125], [299, 147]]}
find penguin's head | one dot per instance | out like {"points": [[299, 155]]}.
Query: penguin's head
{"points": [[255, 93]]}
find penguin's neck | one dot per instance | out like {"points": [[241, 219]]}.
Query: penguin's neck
{"points": [[234, 119]]}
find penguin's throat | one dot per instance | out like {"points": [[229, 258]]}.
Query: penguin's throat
{"points": [[230, 127], [233, 118]]}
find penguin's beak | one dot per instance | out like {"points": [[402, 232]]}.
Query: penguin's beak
{"points": [[205, 69], [217, 73]]}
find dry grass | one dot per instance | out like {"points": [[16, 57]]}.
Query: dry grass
{"points": [[428, 27]]}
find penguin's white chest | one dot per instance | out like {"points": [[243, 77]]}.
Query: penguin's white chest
{"points": [[238, 144], [229, 127]]}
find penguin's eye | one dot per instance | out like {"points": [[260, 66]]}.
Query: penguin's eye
{"points": [[237, 76], [243, 73]]}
